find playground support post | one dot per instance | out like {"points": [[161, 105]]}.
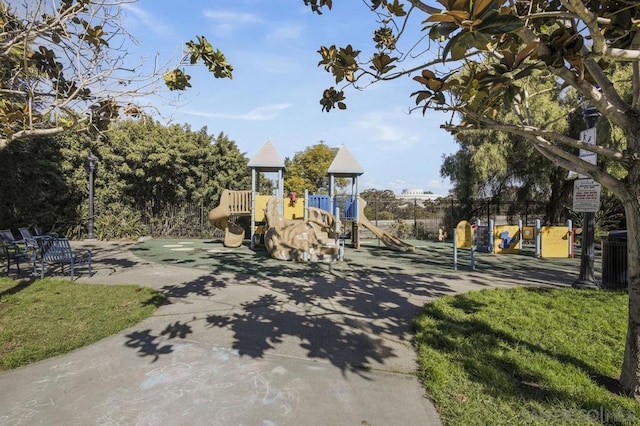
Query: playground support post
{"points": [[473, 250], [538, 238], [520, 234], [280, 191], [570, 238], [331, 193], [255, 183], [455, 250], [491, 233], [337, 229]]}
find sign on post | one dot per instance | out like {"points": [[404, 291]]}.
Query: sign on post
{"points": [[586, 192], [589, 137], [586, 196]]}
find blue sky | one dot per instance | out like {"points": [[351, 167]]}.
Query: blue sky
{"points": [[277, 85]]}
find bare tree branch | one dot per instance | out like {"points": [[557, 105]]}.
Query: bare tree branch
{"points": [[424, 7], [590, 20]]}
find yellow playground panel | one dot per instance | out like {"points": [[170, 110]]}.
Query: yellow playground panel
{"points": [[260, 207], [464, 234], [554, 241], [528, 233], [292, 209], [506, 239]]}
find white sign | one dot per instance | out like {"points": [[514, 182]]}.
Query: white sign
{"points": [[588, 136], [586, 196]]}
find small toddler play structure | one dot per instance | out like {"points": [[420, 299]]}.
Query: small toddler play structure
{"points": [[294, 228], [549, 241]]}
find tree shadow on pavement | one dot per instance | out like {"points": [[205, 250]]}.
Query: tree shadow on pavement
{"points": [[357, 314], [354, 317], [147, 344], [202, 286]]}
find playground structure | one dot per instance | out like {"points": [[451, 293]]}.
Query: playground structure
{"points": [[313, 239], [232, 204], [293, 228], [549, 241]]}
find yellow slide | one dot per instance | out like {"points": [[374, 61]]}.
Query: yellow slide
{"points": [[389, 240], [219, 217]]}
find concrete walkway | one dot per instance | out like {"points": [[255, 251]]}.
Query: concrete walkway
{"points": [[251, 343]]}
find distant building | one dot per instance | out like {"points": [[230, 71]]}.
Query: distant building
{"points": [[417, 194]]}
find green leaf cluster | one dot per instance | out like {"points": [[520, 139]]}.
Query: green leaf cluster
{"points": [[143, 169], [213, 59], [156, 165], [308, 169], [317, 5]]}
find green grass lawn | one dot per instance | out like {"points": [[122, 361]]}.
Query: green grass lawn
{"points": [[44, 318], [526, 356]]}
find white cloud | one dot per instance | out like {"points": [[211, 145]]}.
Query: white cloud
{"points": [[286, 33], [227, 22], [439, 186], [148, 20], [264, 113], [389, 129]]}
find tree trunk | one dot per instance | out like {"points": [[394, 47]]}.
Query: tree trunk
{"points": [[561, 190], [630, 376]]}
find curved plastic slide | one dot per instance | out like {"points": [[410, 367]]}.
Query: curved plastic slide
{"points": [[389, 240], [219, 217]]}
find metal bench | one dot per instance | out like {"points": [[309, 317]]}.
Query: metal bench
{"points": [[58, 251], [12, 249], [34, 244]]}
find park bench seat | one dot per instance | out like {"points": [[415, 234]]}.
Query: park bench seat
{"points": [[58, 251], [11, 252], [12, 249]]}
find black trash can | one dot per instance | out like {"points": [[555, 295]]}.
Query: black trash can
{"points": [[614, 260]]}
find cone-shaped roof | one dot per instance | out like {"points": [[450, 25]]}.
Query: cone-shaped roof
{"points": [[344, 165], [267, 158]]}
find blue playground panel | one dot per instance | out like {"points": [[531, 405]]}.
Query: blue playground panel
{"points": [[351, 208], [348, 204], [319, 202]]}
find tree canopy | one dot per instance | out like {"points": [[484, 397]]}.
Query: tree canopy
{"points": [[160, 165], [64, 67], [307, 169], [143, 169]]}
